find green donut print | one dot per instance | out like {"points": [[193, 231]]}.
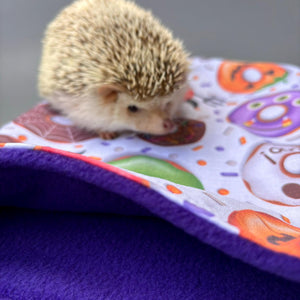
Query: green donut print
{"points": [[155, 167]]}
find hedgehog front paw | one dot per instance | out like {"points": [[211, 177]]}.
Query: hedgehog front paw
{"points": [[108, 135]]}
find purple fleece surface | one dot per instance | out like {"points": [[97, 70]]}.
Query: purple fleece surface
{"points": [[73, 256], [67, 184]]}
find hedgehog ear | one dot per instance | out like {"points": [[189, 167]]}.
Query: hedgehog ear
{"points": [[109, 92]]}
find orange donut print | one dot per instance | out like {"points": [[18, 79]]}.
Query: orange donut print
{"points": [[267, 231], [246, 77]]}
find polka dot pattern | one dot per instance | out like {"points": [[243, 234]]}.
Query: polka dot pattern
{"points": [[223, 192], [173, 189]]}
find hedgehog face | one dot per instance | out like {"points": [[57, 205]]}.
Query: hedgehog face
{"points": [[153, 116]]}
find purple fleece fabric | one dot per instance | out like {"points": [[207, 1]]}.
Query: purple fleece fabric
{"points": [[41, 180], [73, 256]]}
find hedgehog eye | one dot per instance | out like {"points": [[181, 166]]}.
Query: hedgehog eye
{"points": [[132, 108]]}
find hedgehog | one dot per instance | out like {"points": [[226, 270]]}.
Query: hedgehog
{"points": [[110, 66]]}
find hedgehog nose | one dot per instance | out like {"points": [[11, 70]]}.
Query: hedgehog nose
{"points": [[169, 124]]}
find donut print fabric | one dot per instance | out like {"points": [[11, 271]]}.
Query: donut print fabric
{"points": [[230, 177]]}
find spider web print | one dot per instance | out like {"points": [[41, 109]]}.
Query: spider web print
{"points": [[42, 122]]}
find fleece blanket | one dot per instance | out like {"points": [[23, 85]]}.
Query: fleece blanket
{"points": [[230, 178]]}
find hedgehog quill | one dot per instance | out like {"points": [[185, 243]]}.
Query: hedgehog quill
{"points": [[111, 66]]}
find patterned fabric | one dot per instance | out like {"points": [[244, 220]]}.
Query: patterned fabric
{"points": [[238, 167]]}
